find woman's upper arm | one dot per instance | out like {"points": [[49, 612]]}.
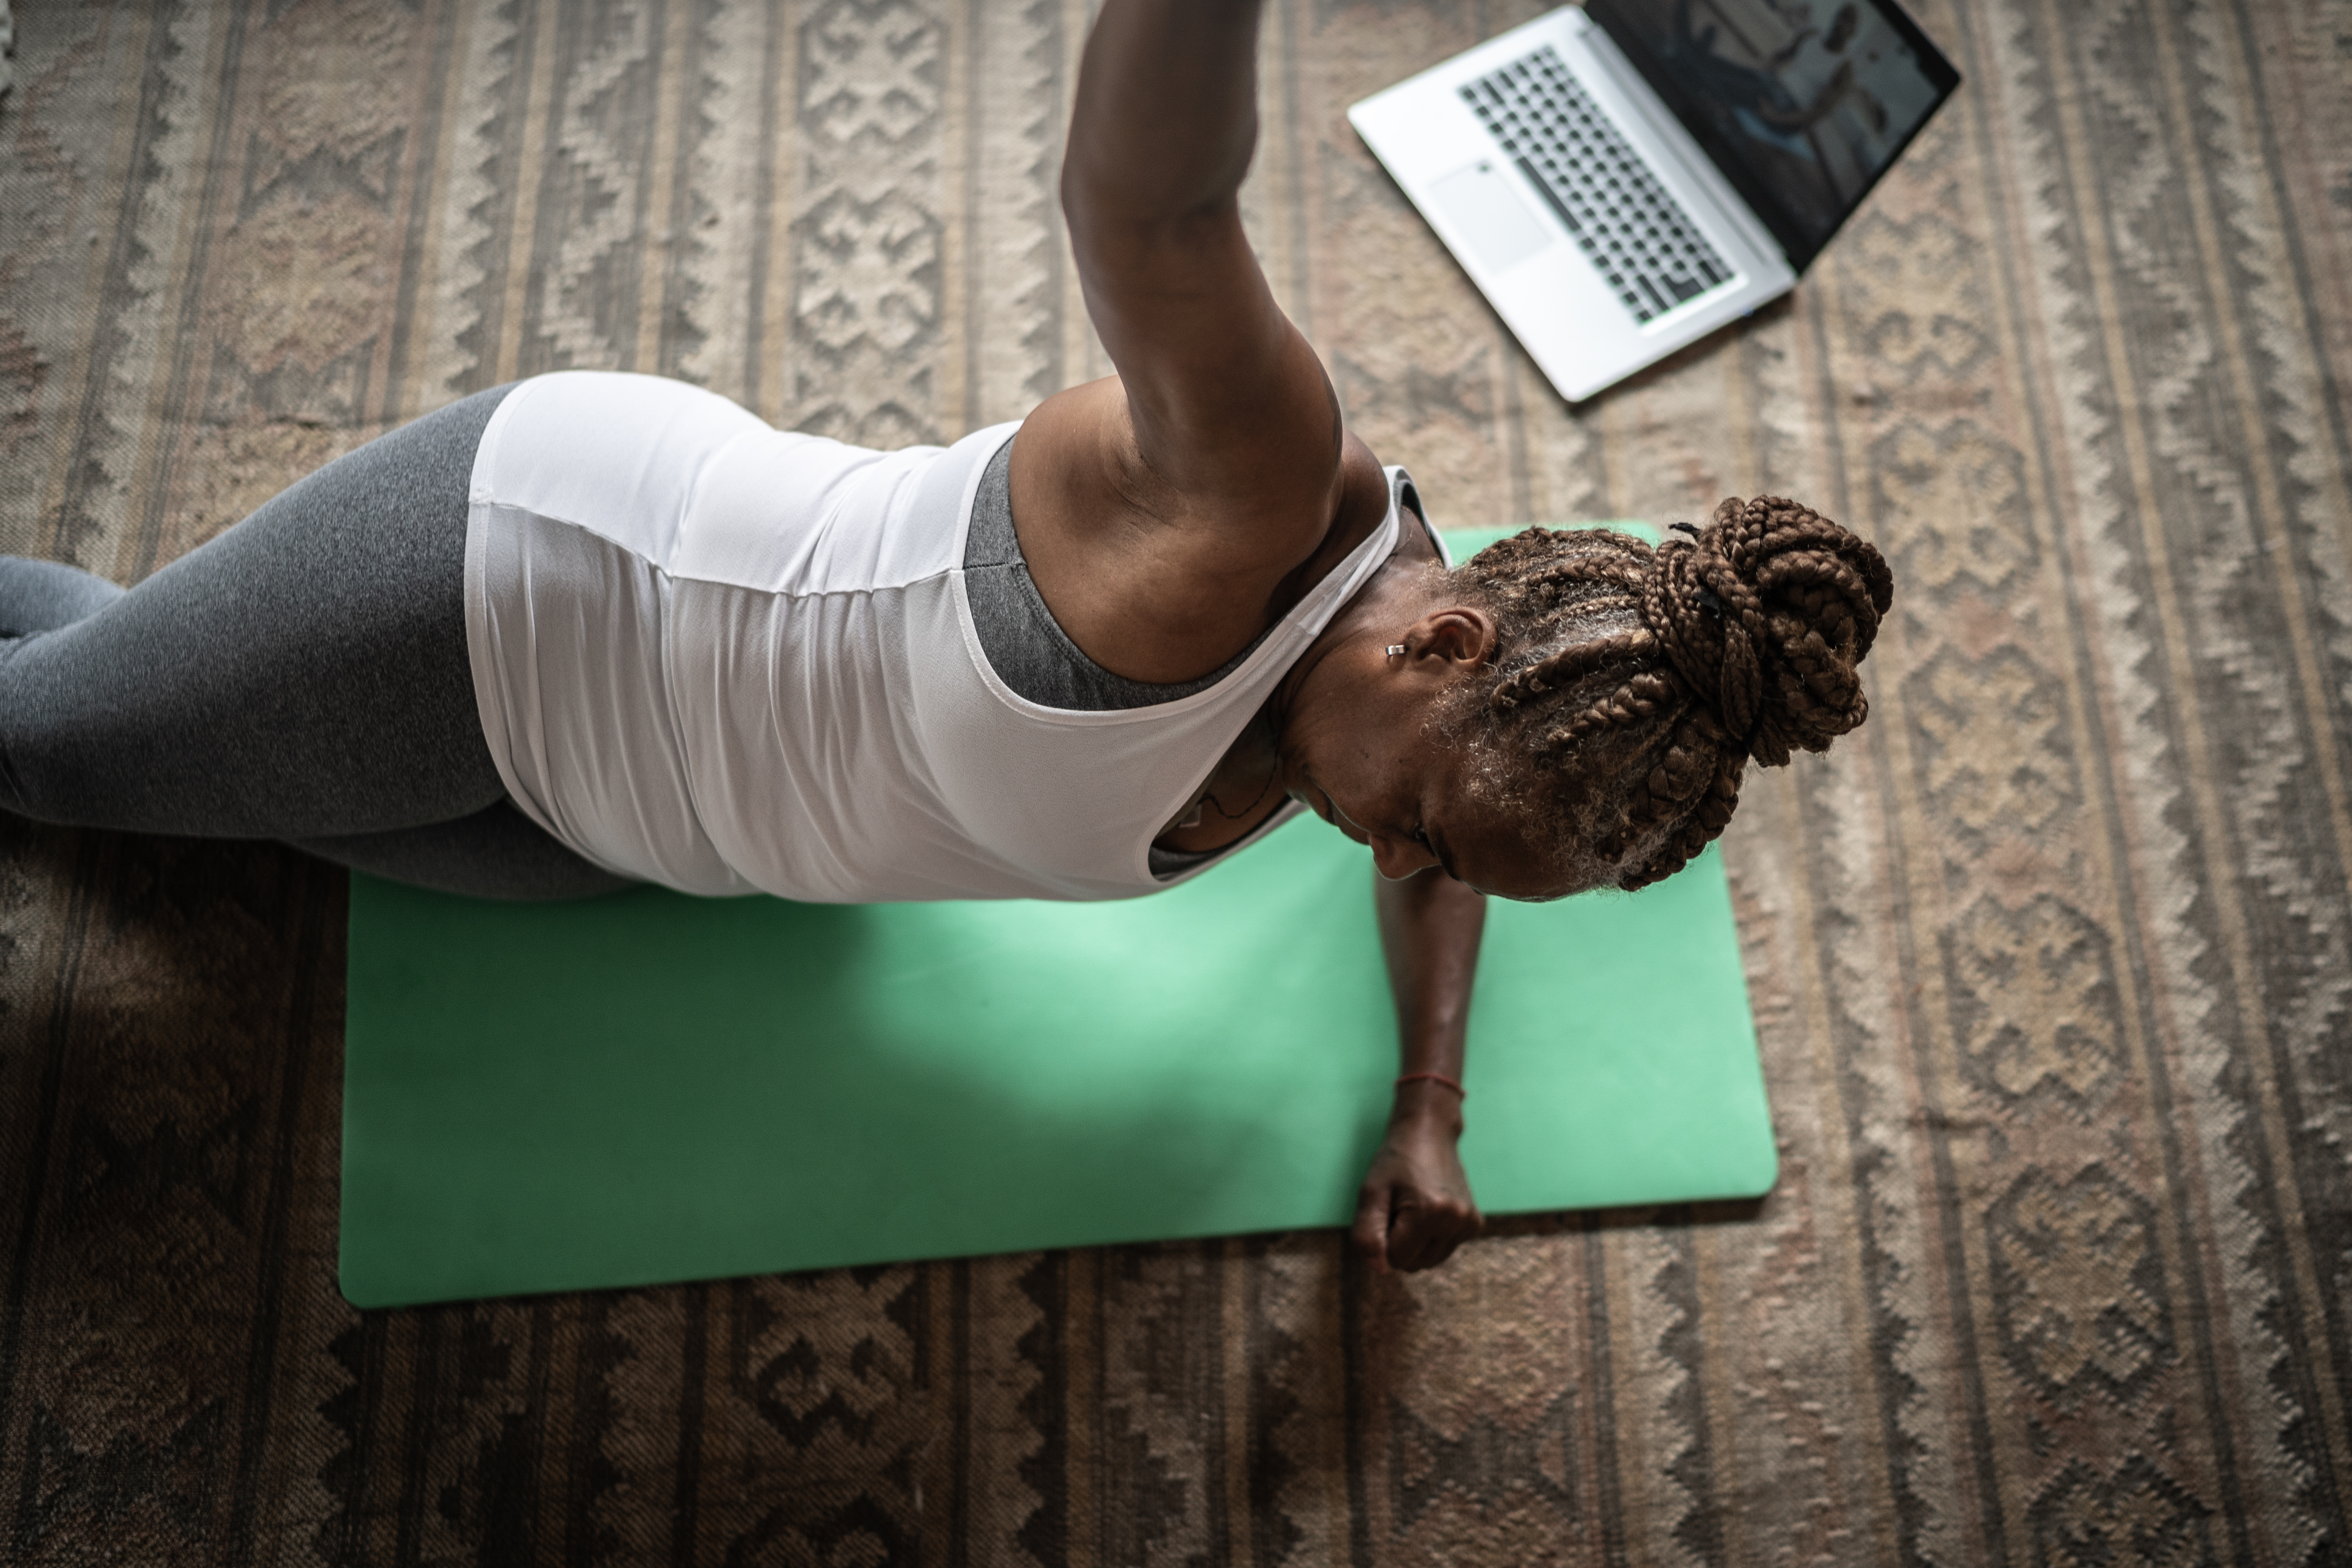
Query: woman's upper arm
{"points": [[1235, 425], [1230, 405]]}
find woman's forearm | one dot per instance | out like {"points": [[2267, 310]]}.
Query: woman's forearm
{"points": [[1414, 1205], [1166, 116], [1431, 926]]}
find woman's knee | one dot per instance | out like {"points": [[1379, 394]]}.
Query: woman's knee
{"points": [[38, 596]]}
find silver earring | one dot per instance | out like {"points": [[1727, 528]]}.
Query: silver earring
{"points": [[1395, 648]]}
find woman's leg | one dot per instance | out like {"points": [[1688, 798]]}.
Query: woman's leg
{"points": [[303, 676]]}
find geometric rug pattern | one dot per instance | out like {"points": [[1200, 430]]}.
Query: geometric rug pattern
{"points": [[2049, 962]]}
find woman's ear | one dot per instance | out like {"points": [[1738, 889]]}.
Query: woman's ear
{"points": [[1456, 635]]}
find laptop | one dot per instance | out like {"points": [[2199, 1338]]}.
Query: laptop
{"points": [[1623, 178]]}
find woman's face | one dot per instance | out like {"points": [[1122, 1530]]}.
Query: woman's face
{"points": [[1360, 751]]}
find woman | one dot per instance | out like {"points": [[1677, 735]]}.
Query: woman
{"points": [[591, 629]]}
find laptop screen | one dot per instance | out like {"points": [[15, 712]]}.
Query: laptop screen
{"points": [[1802, 103]]}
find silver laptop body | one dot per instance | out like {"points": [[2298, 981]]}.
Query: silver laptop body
{"points": [[1603, 232]]}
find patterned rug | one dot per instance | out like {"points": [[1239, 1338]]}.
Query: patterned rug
{"points": [[2050, 963]]}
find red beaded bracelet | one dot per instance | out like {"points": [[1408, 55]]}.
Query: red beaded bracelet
{"points": [[1434, 1078]]}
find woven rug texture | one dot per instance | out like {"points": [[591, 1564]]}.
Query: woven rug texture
{"points": [[2049, 962]]}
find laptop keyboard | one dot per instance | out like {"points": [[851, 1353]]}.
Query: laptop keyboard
{"points": [[1647, 247]]}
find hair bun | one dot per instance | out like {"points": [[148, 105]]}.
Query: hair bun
{"points": [[1766, 615]]}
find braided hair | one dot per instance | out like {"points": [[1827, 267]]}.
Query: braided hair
{"points": [[1642, 681]]}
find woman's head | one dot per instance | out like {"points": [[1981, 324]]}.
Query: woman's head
{"points": [[1631, 686], [1575, 709]]}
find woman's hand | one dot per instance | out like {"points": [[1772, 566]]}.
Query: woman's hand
{"points": [[1414, 1208]]}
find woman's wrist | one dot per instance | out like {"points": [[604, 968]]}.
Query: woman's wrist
{"points": [[1426, 1100]]}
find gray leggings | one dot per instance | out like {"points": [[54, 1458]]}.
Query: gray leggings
{"points": [[302, 677]]}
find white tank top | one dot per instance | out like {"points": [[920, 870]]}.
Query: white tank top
{"points": [[731, 660]]}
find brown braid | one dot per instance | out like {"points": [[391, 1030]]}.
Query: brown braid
{"points": [[1645, 679]]}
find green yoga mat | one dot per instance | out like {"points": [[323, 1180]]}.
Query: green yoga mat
{"points": [[649, 1086]]}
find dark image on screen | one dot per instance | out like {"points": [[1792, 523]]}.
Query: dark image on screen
{"points": [[1815, 97]]}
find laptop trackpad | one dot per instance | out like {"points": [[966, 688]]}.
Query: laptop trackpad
{"points": [[1493, 220]]}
